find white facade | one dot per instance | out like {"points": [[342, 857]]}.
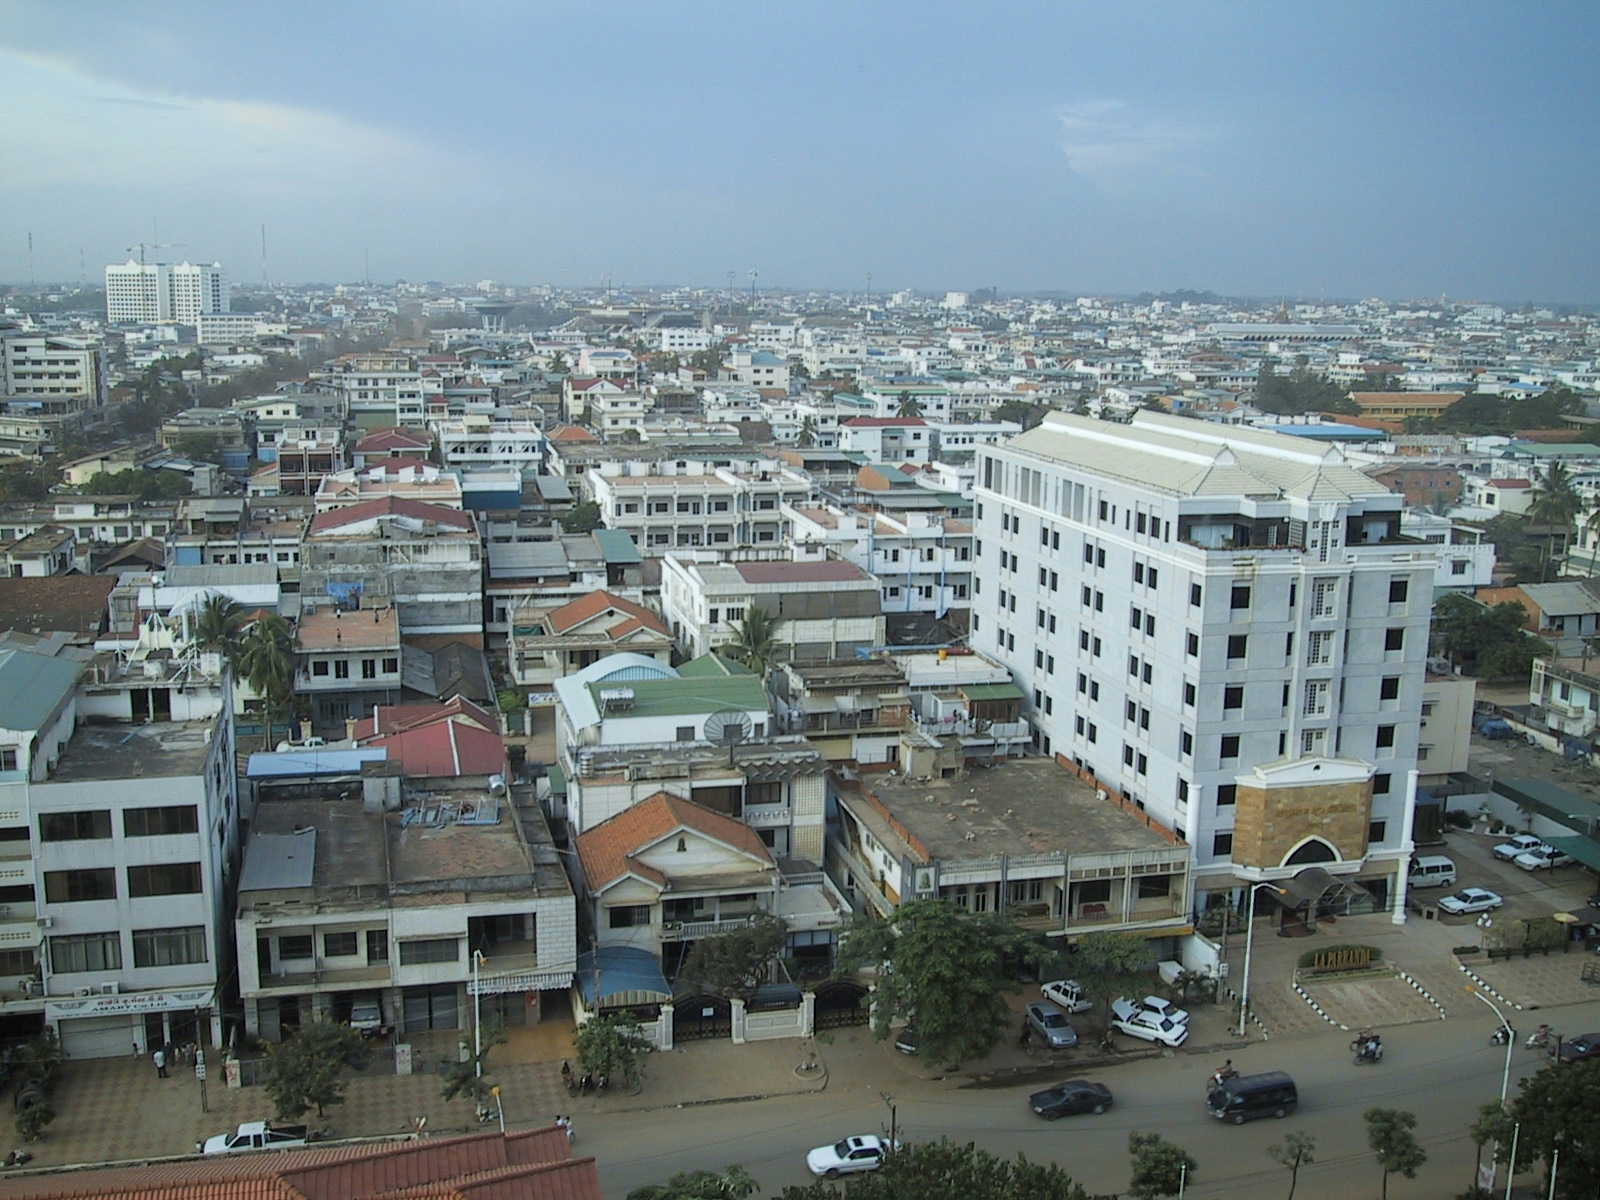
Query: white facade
{"points": [[1184, 603], [479, 441], [923, 561], [669, 505], [56, 369], [152, 292]]}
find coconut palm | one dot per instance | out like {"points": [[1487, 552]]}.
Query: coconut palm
{"points": [[216, 625], [910, 406], [808, 433], [755, 640], [266, 660]]}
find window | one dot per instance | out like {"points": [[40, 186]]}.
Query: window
{"points": [[1380, 783], [1227, 793], [1239, 597], [1183, 791], [1194, 595], [8, 758], [339, 945], [319, 667], [164, 879], [1397, 591], [159, 822], [1222, 844], [685, 733], [430, 950], [369, 668], [67, 887], [1385, 736], [1375, 832], [391, 666], [1143, 765], [169, 947], [1230, 745], [1393, 640], [1319, 649], [1127, 755], [74, 826], [341, 669], [85, 952], [1233, 696], [1185, 743], [1389, 688], [1188, 694], [1192, 644], [1131, 711], [625, 916], [1135, 617], [1238, 643], [377, 945]]}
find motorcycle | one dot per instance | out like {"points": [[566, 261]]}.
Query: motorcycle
{"points": [[1501, 1034], [1543, 1036], [1220, 1076], [1367, 1050]]}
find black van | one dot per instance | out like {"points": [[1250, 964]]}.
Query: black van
{"points": [[1246, 1097]]}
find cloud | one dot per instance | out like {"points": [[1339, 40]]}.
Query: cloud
{"points": [[1110, 140]]}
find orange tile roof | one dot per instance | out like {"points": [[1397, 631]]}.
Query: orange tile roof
{"points": [[607, 851], [586, 608]]}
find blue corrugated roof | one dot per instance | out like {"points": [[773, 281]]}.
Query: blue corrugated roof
{"points": [[32, 686], [622, 971]]}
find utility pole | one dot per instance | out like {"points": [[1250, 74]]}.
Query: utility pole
{"points": [[893, 1121], [754, 275], [263, 254]]}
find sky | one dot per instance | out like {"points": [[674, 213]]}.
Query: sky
{"points": [[1342, 149]]}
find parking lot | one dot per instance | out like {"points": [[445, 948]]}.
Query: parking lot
{"points": [[1526, 893]]}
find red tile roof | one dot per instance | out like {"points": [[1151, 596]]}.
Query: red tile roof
{"points": [[586, 608], [394, 438], [534, 1165], [389, 506], [445, 749], [571, 433], [397, 718], [799, 572], [607, 851], [1511, 483]]}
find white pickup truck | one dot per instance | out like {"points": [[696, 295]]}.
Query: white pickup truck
{"points": [[256, 1135]]}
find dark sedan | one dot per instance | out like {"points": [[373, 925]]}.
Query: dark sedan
{"points": [[1066, 1099], [1577, 1049]]}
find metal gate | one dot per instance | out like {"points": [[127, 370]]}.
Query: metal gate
{"points": [[695, 1018], [840, 1003]]}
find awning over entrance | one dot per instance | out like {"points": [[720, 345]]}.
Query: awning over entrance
{"points": [[622, 976], [1304, 887], [1585, 850], [519, 981]]}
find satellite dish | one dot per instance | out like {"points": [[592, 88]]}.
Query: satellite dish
{"points": [[728, 727]]}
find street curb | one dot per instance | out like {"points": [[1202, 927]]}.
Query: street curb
{"points": [[1266, 1034], [1012, 1076], [1317, 1008], [1485, 985], [821, 1086], [1422, 991]]}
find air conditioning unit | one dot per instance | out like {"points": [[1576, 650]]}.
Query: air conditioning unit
{"points": [[81, 992], [46, 922], [28, 986], [107, 989]]}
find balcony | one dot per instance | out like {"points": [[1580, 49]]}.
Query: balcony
{"points": [[688, 931], [19, 925], [308, 976], [767, 816]]}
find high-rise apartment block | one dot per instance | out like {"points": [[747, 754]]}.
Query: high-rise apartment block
{"points": [[60, 374], [149, 292], [1223, 626]]}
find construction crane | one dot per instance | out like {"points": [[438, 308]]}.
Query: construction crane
{"points": [[141, 247]]}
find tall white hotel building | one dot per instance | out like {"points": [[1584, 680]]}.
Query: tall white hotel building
{"points": [[146, 293], [1221, 626]]}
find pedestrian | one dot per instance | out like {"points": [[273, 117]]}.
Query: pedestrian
{"points": [[160, 1057]]}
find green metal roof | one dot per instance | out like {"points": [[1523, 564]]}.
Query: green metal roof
{"points": [[991, 691], [558, 779], [1585, 850], [31, 686], [711, 666], [617, 546], [1548, 799], [684, 697]]}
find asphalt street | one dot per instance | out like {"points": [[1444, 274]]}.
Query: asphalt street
{"points": [[1442, 1071]]}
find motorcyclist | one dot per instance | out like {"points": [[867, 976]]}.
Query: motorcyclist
{"points": [[1223, 1073]]}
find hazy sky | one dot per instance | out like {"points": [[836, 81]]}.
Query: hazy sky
{"points": [[1342, 148]]}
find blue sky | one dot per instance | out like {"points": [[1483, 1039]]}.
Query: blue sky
{"points": [[1343, 149]]}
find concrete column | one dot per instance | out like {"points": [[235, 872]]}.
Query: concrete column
{"points": [[738, 1021], [252, 1017], [808, 1014], [664, 1028], [1402, 868]]}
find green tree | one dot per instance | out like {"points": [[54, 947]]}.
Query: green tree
{"points": [[944, 968], [754, 639], [1493, 1125], [558, 364], [1295, 1151], [469, 1076], [23, 480], [198, 447], [1555, 1109], [1026, 415], [1394, 1144], [216, 625], [138, 483], [734, 1183], [1159, 1167], [266, 660], [611, 1045], [583, 517], [709, 361], [1557, 502], [308, 1070], [1109, 965], [735, 963], [909, 406], [1486, 640], [946, 1170], [808, 433]]}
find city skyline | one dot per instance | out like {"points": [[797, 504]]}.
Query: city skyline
{"points": [[1082, 151]]}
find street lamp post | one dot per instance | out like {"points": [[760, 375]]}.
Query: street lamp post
{"points": [[477, 1019], [1511, 1037], [1249, 933]]}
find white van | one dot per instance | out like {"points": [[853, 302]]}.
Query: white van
{"points": [[1431, 871]]}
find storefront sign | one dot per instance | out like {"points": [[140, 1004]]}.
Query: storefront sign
{"points": [[126, 1004]]}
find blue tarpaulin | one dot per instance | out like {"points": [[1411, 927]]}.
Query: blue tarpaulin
{"points": [[623, 976]]}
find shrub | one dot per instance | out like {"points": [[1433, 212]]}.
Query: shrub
{"points": [[1458, 817], [1465, 949]]}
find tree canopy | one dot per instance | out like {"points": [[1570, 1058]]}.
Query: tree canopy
{"points": [[1159, 1168], [735, 963], [1486, 640], [946, 1170], [308, 1069], [1108, 965], [138, 483], [584, 517], [612, 1045], [1556, 1109], [1391, 1134], [945, 969], [1300, 391], [1482, 414], [754, 641], [734, 1183]]}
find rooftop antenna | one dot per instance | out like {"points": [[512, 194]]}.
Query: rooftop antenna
{"points": [[32, 282], [83, 271], [141, 247], [754, 275], [730, 291], [263, 255], [868, 296], [366, 267]]}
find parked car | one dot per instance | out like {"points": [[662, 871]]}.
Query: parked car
{"points": [[848, 1156], [1542, 858], [1051, 1025], [1471, 900], [1508, 850], [1069, 1098], [1136, 1022], [1067, 995], [256, 1135], [1156, 1006], [905, 1040], [1577, 1049]]}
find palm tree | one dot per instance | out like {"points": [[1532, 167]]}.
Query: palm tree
{"points": [[216, 625], [754, 641], [910, 406], [808, 433], [1557, 502], [266, 660]]}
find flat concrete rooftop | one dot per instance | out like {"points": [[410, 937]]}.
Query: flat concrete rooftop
{"points": [[1019, 806], [125, 751]]}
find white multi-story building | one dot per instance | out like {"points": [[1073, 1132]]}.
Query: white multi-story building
{"points": [[64, 374], [225, 328], [386, 384], [923, 561], [1224, 626], [674, 504], [478, 440], [153, 292]]}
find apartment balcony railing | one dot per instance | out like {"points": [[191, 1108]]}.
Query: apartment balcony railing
{"points": [[767, 816], [291, 975], [685, 931]]}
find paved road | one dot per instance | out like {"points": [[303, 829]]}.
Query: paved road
{"points": [[1441, 1071]]}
